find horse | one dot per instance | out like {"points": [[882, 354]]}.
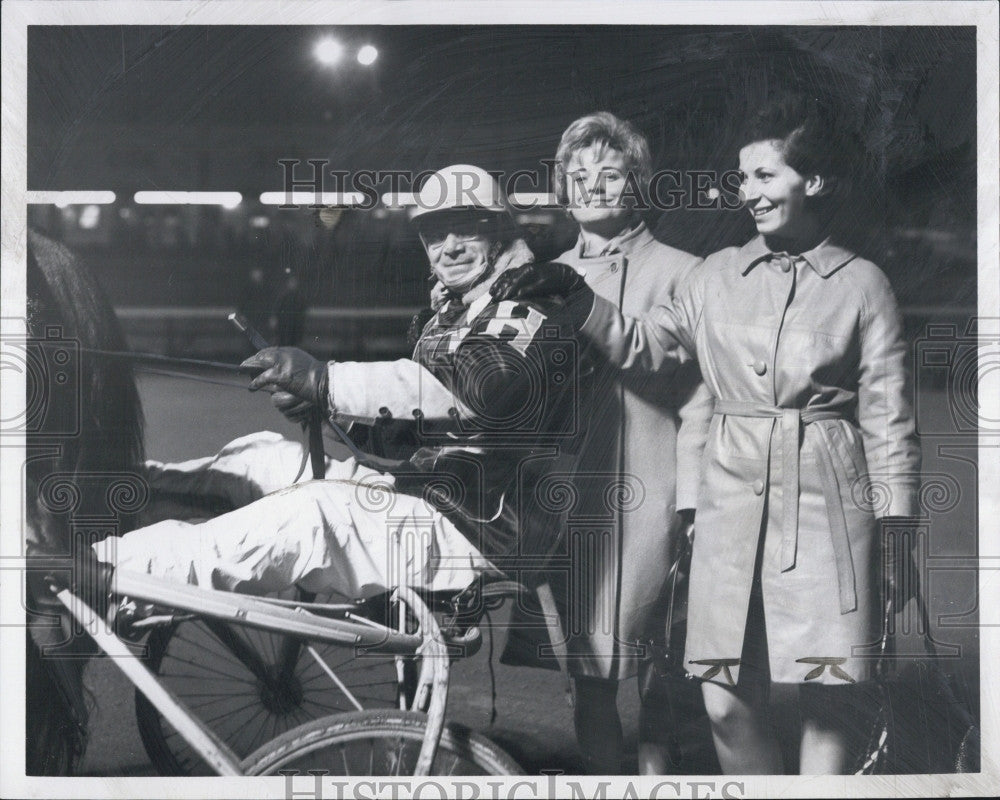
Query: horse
{"points": [[84, 435]]}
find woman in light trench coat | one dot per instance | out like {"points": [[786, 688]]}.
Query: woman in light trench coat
{"points": [[800, 342], [639, 463]]}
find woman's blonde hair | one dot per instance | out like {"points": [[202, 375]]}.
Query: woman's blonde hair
{"points": [[603, 128]]}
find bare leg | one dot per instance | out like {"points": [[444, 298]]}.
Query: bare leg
{"points": [[654, 758], [657, 718], [829, 716], [598, 726], [744, 739]]}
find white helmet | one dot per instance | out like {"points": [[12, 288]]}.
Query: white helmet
{"points": [[459, 187]]}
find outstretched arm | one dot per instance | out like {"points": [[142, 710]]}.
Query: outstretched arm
{"points": [[350, 391], [661, 339], [359, 391]]}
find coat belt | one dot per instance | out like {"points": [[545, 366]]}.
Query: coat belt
{"points": [[792, 420]]}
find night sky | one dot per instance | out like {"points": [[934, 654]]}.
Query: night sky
{"points": [[216, 107]]}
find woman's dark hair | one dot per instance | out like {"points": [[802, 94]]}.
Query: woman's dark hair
{"points": [[816, 138]]}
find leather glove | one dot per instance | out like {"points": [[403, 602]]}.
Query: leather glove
{"points": [[296, 379], [294, 408], [687, 524], [547, 280], [899, 573]]}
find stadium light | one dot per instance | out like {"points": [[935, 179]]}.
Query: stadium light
{"points": [[312, 198], [328, 51], [90, 217], [398, 200], [526, 200], [367, 55], [64, 199], [224, 199]]}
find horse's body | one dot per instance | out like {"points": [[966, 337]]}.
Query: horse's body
{"points": [[81, 439]]}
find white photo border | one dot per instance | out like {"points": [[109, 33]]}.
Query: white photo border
{"points": [[17, 15]]}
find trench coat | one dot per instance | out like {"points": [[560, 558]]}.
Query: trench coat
{"points": [[812, 440], [638, 465]]}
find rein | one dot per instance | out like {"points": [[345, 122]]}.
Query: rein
{"points": [[155, 358], [148, 362]]}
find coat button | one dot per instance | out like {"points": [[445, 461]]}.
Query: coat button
{"points": [[786, 265], [759, 367], [614, 266], [758, 488]]}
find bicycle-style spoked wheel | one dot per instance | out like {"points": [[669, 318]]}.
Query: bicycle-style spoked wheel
{"points": [[377, 743], [250, 686]]}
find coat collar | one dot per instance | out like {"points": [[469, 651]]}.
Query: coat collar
{"points": [[632, 239], [825, 258], [454, 306]]}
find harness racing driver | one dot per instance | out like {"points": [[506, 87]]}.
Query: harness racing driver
{"points": [[495, 396]]}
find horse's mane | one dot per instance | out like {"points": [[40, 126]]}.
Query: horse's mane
{"points": [[63, 293], [89, 435], [93, 433]]}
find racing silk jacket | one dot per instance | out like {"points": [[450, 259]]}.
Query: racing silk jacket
{"points": [[495, 393]]}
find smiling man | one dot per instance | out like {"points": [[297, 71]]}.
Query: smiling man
{"points": [[493, 393]]}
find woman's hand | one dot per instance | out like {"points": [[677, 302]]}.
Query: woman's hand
{"points": [[899, 573], [550, 281], [685, 535], [687, 523]]}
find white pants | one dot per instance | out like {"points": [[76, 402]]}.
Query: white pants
{"points": [[352, 533]]}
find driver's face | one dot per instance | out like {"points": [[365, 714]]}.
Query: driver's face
{"points": [[458, 247]]}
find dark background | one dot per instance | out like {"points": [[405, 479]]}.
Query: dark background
{"points": [[215, 108]]}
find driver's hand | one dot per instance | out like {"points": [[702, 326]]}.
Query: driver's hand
{"points": [[550, 279], [294, 408], [288, 372]]}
